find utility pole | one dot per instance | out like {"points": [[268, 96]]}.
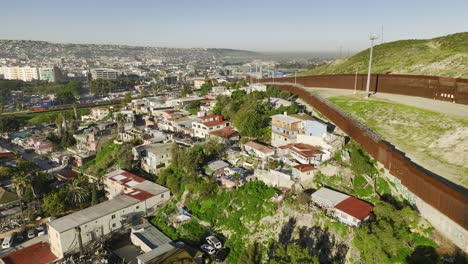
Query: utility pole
{"points": [[372, 38], [355, 81]]}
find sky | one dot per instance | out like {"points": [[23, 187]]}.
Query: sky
{"points": [[272, 26]]}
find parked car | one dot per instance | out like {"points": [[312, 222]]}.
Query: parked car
{"points": [[220, 256], [19, 237], [214, 241], [41, 231], [7, 242], [208, 249], [31, 233]]}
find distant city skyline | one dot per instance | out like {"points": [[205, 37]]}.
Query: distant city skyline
{"points": [[265, 26]]}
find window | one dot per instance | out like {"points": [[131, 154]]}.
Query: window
{"points": [[162, 195], [138, 207], [113, 216], [113, 225]]}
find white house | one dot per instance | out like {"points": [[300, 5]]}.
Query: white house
{"points": [[153, 157], [207, 124], [258, 150], [303, 153], [353, 211]]}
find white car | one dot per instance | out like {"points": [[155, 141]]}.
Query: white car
{"points": [[7, 242], [214, 241], [41, 231], [31, 233], [208, 249]]}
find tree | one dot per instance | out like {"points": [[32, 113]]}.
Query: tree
{"points": [[94, 196], [77, 192], [128, 98], [120, 118], [292, 254], [53, 204]]}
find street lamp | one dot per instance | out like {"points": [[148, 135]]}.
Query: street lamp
{"points": [[355, 81], [372, 38]]}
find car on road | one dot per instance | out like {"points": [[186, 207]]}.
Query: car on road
{"points": [[208, 249], [7, 242], [214, 241], [31, 233], [40, 231]]}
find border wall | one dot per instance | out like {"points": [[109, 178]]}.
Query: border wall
{"points": [[439, 88], [440, 201]]}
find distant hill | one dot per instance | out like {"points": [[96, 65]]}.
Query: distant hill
{"points": [[44, 49], [442, 56]]}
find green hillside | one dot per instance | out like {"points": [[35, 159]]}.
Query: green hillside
{"points": [[443, 56]]}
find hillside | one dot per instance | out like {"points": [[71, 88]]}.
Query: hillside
{"points": [[442, 56]]}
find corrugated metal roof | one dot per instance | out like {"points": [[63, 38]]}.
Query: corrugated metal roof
{"points": [[328, 198], [149, 256]]}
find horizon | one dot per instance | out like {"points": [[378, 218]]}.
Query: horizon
{"points": [[263, 26]]}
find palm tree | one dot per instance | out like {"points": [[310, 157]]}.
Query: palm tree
{"points": [[120, 118], [59, 122], [76, 192], [75, 106], [22, 182]]}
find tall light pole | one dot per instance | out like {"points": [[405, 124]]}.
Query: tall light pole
{"points": [[372, 38], [355, 81]]}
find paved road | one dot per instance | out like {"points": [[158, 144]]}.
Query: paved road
{"points": [[420, 102], [27, 243]]}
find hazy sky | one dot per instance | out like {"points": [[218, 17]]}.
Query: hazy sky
{"points": [[289, 25]]}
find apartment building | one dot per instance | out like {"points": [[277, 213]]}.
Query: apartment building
{"points": [[25, 74], [50, 74], [104, 74], [284, 129], [130, 198]]}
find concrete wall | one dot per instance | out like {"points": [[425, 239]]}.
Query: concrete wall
{"points": [[274, 178]]}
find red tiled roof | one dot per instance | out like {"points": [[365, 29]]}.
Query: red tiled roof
{"points": [[38, 253], [132, 176], [355, 207], [304, 167], [214, 123], [226, 132], [302, 149]]}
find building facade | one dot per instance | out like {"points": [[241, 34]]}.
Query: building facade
{"points": [[25, 74], [104, 74]]}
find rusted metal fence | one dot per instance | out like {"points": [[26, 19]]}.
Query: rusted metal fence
{"points": [[447, 197], [432, 87]]}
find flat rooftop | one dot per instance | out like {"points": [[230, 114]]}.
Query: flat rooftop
{"points": [[91, 213]]}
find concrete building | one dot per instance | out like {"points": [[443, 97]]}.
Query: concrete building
{"points": [[258, 150], [130, 197], [51, 74], [284, 129], [104, 74], [25, 74], [153, 157], [197, 83], [207, 124], [303, 153]]}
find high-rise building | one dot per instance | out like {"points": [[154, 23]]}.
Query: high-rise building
{"points": [[104, 74], [26, 74], [50, 74]]}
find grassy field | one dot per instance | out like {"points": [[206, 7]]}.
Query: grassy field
{"points": [[443, 56], [438, 142]]}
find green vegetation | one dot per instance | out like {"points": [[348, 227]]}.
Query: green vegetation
{"points": [[433, 140], [388, 238], [443, 56], [102, 87], [250, 113], [110, 155], [292, 254], [194, 107]]}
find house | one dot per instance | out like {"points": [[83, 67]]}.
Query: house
{"points": [[303, 153], [259, 150], [284, 129], [97, 113], [147, 237], [225, 135], [41, 145], [8, 198], [207, 124], [278, 102], [328, 198], [353, 211], [347, 209], [198, 82], [216, 168], [303, 172], [86, 142], [275, 178], [153, 157]]}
